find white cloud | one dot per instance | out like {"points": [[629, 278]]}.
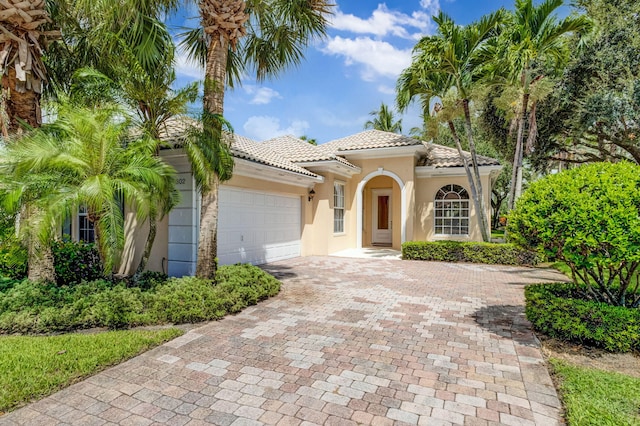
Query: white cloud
{"points": [[378, 57], [384, 22], [387, 90], [188, 69], [261, 95], [266, 127]]}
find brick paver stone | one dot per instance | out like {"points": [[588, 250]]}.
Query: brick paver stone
{"points": [[347, 341]]}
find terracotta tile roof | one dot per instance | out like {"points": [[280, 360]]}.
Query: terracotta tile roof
{"points": [[368, 140], [241, 147], [440, 156], [300, 151]]}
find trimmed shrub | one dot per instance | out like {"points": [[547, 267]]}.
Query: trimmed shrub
{"points": [[472, 252], [558, 310], [41, 308], [587, 217], [76, 261]]}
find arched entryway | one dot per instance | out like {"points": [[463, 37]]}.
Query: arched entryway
{"points": [[360, 200]]}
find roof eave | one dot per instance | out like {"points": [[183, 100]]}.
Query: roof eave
{"points": [[431, 171], [331, 166], [253, 169], [385, 152]]}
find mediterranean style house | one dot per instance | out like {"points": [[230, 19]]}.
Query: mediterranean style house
{"points": [[288, 198]]}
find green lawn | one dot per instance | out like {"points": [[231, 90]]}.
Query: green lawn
{"points": [[32, 367], [594, 397]]}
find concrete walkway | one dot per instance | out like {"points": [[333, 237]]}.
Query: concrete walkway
{"points": [[347, 341]]}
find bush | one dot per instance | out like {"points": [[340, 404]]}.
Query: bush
{"points": [[558, 310], [76, 261], [41, 308], [587, 217], [456, 251]]}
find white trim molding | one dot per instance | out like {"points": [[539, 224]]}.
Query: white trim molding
{"points": [[360, 201]]}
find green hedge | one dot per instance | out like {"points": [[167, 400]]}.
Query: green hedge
{"points": [[42, 308], [558, 311], [472, 252]]}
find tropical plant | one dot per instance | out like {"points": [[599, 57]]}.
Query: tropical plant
{"points": [[84, 159], [106, 36], [446, 67], [263, 36], [588, 218], [596, 105], [533, 43], [383, 119], [309, 140], [24, 37]]}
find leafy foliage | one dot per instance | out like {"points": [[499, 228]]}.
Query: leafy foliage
{"points": [[472, 252], [560, 311], [587, 217], [82, 159], [76, 261], [384, 120], [41, 308]]}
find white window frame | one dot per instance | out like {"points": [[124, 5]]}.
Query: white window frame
{"points": [[452, 211], [89, 229], [338, 207]]}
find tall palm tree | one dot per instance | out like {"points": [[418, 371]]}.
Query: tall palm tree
{"points": [[534, 41], [383, 119], [84, 159], [451, 63], [262, 36]]}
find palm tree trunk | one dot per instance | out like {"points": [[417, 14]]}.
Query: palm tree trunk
{"points": [[213, 103], [40, 256], [22, 104], [151, 237], [467, 169], [516, 177], [483, 221]]}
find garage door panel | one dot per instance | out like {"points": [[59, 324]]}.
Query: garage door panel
{"points": [[256, 227]]}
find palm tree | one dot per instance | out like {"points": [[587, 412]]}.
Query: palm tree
{"points": [[449, 65], [534, 41], [264, 36], [384, 120], [24, 36], [84, 159], [309, 140]]}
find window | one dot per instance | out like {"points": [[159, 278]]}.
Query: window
{"points": [[86, 231], [452, 211], [338, 207]]}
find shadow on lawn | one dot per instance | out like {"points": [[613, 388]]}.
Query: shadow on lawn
{"points": [[507, 321]]}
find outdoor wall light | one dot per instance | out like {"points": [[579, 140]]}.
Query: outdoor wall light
{"points": [[312, 194]]}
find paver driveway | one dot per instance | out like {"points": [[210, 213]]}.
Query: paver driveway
{"points": [[347, 341]]}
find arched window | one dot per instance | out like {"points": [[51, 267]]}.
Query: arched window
{"points": [[452, 211]]}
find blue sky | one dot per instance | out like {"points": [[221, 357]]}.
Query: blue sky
{"points": [[345, 76]]}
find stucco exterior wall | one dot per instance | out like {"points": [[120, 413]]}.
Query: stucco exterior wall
{"points": [[136, 234], [318, 237], [404, 169], [426, 189]]}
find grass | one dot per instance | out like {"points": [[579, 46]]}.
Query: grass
{"points": [[497, 233], [594, 397], [34, 367]]}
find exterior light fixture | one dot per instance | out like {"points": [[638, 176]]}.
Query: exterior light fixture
{"points": [[312, 194]]}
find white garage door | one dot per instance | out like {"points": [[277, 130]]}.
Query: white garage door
{"points": [[257, 227]]}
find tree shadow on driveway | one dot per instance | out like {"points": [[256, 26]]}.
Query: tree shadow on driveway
{"points": [[508, 321], [281, 272]]}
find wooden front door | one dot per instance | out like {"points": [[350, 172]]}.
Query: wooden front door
{"points": [[381, 217]]}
